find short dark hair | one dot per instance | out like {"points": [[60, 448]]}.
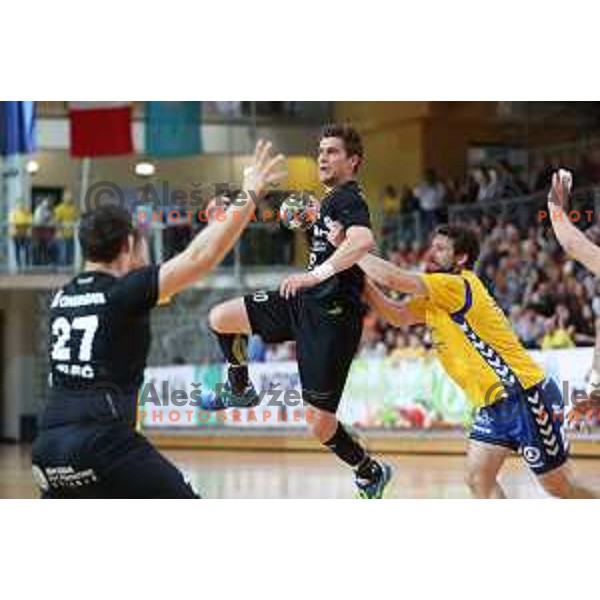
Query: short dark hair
{"points": [[103, 232], [464, 239], [349, 135]]}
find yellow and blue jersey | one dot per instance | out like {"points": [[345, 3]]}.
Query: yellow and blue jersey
{"points": [[473, 338]]}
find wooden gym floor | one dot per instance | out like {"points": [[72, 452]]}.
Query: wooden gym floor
{"points": [[248, 474]]}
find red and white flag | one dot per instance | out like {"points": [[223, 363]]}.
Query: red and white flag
{"points": [[100, 128]]}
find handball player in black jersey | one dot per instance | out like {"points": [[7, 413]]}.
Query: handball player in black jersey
{"points": [[99, 341], [321, 309]]}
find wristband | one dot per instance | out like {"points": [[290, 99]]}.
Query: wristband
{"points": [[324, 271]]}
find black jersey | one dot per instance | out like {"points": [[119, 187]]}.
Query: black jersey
{"points": [[347, 205], [100, 330]]}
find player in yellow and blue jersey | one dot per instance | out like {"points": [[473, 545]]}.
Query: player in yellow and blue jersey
{"points": [[517, 407]]}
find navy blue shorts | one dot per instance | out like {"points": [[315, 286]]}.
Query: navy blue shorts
{"points": [[530, 422], [110, 460], [327, 332]]}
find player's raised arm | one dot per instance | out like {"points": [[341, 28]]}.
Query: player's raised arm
{"points": [[379, 270], [395, 313], [211, 245], [388, 274], [573, 241]]}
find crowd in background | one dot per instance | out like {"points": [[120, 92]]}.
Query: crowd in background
{"points": [[484, 183], [46, 236], [552, 302]]}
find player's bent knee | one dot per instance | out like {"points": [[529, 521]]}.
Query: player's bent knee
{"points": [[216, 318], [221, 319], [229, 317]]}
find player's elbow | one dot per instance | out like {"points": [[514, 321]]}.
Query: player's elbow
{"points": [[362, 239], [368, 242]]}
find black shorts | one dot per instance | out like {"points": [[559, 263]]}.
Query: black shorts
{"points": [[327, 332], [110, 460]]}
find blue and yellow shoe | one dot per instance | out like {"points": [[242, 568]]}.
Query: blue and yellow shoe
{"points": [[373, 490], [213, 401]]}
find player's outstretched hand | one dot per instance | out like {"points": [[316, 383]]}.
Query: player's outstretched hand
{"points": [[291, 285], [560, 190], [336, 234], [265, 168]]}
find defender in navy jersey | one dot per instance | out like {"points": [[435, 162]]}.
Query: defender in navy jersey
{"points": [[99, 342], [320, 309]]}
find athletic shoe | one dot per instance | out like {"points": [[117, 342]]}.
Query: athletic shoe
{"points": [[373, 490], [228, 399]]}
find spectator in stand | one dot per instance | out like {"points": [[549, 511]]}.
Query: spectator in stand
{"points": [[556, 337], [455, 190], [43, 233], [390, 210], [430, 193], [528, 326], [66, 215], [408, 202], [178, 230], [20, 220], [390, 203], [486, 180], [506, 180], [509, 183], [468, 190]]}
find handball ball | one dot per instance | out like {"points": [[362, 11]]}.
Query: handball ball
{"points": [[298, 212]]}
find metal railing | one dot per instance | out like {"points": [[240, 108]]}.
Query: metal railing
{"points": [[524, 212], [46, 250]]}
